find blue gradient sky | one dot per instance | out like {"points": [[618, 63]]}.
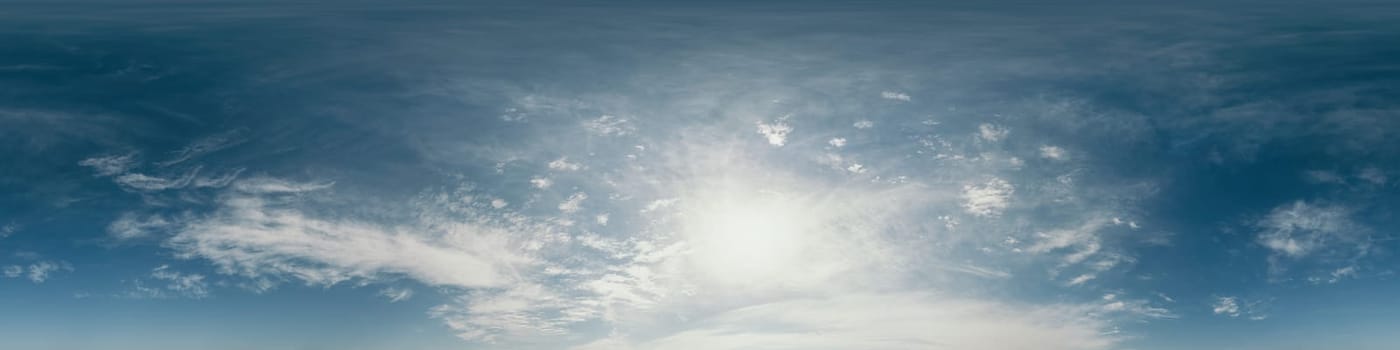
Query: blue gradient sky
{"points": [[698, 175]]}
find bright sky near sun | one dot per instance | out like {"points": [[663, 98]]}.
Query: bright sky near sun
{"points": [[698, 175]]}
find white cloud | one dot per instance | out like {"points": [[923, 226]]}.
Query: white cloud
{"points": [[541, 182], [143, 182], [253, 237], [987, 199], [132, 225], [1373, 175], [110, 165], [992, 133], [9, 229], [1323, 234], [777, 132], [1081, 279], [573, 203], [395, 294], [863, 124], [870, 322], [1234, 307], [13, 271], [892, 95], [1053, 152], [206, 145], [187, 285], [563, 164], [608, 125], [268, 185], [37, 272], [1323, 176], [499, 203], [837, 142]]}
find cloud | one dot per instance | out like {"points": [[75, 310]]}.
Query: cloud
{"points": [[177, 285], [864, 124], [891, 95], [608, 125], [573, 203], [9, 229], [395, 294], [1320, 233], [1053, 152], [206, 145], [110, 165], [131, 225], [987, 199], [1234, 307], [777, 132], [253, 236], [541, 182], [563, 164], [837, 142], [894, 321], [992, 133], [37, 272]]}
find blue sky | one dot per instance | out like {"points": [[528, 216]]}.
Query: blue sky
{"points": [[698, 175]]}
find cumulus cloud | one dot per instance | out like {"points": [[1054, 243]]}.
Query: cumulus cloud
{"points": [[776, 132], [1053, 152], [573, 203], [563, 164], [837, 142], [987, 199], [8, 229], [177, 285], [991, 132], [864, 124]]}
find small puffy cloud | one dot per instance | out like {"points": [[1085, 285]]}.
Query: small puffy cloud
{"points": [[1300, 229], [132, 225], [1053, 152], [1234, 307], [499, 203], [992, 133], [837, 142], [573, 203], [863, 124], [189, 285], [777, 132], [563, 164], [541, 182], [37, 272], [1081, 279], [608, 125], [9, 229], [892, 95], [395, 294], [110, 165], [987, 199]]}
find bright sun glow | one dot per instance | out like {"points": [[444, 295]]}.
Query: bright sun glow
{"points": [[746, 239]]}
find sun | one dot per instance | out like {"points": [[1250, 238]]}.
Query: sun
{"points": [[746, 238]]}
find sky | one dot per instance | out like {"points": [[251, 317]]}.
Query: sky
{"points": [[993, 175]]}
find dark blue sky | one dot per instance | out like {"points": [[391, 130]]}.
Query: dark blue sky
{"points": [[698, 175]]}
